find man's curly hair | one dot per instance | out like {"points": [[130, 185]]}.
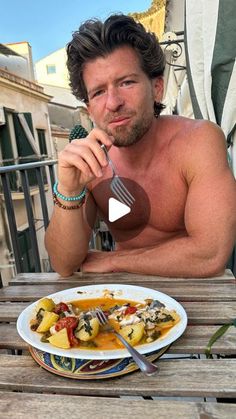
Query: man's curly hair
{"points": [[97, 39]]}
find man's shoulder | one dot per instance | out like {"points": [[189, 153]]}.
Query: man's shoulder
{"points": [[193, 131], [190, 141], [179, 122]]}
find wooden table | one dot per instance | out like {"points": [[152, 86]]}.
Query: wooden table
{"points": [[28, 391]]}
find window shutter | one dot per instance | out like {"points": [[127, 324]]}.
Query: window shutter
{"points": [[25, 144], [42, 142], [6, 151], [24, 137], [5, 144]]}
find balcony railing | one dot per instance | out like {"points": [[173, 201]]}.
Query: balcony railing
{"points": [[24, 181], [44, 175], [22, 171]]}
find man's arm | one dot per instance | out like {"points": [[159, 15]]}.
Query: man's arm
{"points": [[67, 236], [67, 239], [210, 219]]}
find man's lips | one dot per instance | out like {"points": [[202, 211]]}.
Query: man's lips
{"points": [[119, 121]]}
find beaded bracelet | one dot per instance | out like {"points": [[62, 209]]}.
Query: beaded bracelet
{"points": [[66, 207], [68, 198]]}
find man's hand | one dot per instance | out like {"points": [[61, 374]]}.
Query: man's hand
{"points": [[82, 161], [97, 261]]}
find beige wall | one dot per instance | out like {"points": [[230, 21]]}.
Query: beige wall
{"points": [[14, 99], [24, 101], [60, 140], [64, 109], [60, 78], [85, 120]]}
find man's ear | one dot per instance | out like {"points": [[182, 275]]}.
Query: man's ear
{"points": [[158, 86]]}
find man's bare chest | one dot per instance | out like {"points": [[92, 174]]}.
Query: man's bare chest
{"points": [[160, 200]]}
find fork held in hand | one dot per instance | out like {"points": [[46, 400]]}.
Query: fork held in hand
{"points": [[145, 366], [117, 186]]}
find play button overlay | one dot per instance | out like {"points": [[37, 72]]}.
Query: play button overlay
{"points": [[123, 222], [117, 210]]}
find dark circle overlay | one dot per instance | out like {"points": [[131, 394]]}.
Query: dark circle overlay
{"points": [[128, 226]]}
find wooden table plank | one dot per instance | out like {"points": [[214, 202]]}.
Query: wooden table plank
{"points": [[197, 312], [181, 292], [38, 406], [62, 406], [196, 378], [9, 312], [193, 341], [120, 277], [210, 312]]}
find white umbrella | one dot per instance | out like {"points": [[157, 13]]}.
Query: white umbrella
{"points": [[210, 43]]}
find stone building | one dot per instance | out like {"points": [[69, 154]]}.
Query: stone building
{"points": [[25, 136]]}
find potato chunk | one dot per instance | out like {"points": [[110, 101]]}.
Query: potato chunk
{"points": [[49, 319], [60, 339], [133, 333], [115, 324], [87, 329], [46, 304], [167, 323]]}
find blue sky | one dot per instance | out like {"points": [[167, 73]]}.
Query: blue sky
{"points": [[48, 24]]}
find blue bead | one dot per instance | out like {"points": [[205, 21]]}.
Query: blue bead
{"points": [[68, 198]]}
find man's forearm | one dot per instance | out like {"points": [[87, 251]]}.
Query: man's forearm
{"points": [[180, 257], [66, 240]]}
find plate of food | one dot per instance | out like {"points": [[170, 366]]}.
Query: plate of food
{"points": [[63, 323]]}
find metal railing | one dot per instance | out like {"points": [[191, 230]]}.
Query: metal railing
{"points": [[8, 191]]}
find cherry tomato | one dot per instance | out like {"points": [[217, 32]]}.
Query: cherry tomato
{"points": [[66, 322], [60, 307], [72, 338], [130, 310], [70, 323]]}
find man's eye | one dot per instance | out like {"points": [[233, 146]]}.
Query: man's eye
{"points": [[97, 93], [127, 82]]}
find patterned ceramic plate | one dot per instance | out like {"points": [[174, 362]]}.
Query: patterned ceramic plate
{"points": [[84, 369]]}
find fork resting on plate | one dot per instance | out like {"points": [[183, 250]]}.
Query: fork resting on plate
{"points": [[145, 366]]}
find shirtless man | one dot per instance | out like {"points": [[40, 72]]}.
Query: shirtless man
{"points": [[117, 68]]}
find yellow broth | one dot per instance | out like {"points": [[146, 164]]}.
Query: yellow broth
{"points": [[104, 302], [106, 340]]}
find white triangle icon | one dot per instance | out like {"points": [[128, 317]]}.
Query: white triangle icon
{"points": [[116, 209]]}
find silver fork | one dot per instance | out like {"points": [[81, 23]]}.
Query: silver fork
{"points": [[145, 366], [117, 186]]}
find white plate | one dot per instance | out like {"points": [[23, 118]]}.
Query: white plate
{"points": [[129, 292]]}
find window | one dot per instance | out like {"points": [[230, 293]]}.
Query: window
{"points": [[26, 143], [51, 68], [42, 142], [26, 146], [26, 250], [6, 149], [42, 149], [18, 145]]}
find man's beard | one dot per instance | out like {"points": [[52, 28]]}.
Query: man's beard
{"points": [[126, 136]]}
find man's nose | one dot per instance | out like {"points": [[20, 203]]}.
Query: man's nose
{"points": [[114, 100]]}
